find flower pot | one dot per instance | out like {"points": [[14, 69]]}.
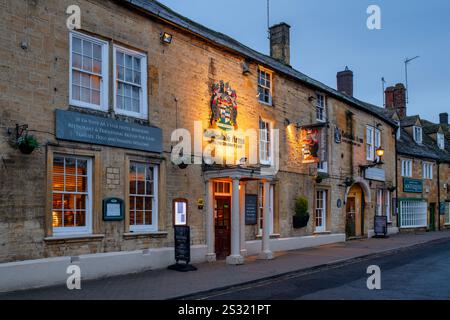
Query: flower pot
{"points": [[26, 148], [300, 221]]}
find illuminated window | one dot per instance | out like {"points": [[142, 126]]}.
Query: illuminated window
{"points": [[264, 86], [88, 72], [143, 197], [72, 195], [130, 82], [320, 107]]}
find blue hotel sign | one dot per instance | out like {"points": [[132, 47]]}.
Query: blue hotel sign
{"points": [[75, 126], [412, 185]]}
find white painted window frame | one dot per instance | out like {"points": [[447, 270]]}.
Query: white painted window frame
{"points": [[321, 107], [440, 141], [379, 203], [321, 210], [261, 207], [370, 143], [268, 73], [427, 170], [143, 106], [398, 133], [413, 214], [68, 231], [104, 81], [267, 142], [407, 168], [155, 212], [418, 134], [377, 143], [322, 167], [388, 205]]}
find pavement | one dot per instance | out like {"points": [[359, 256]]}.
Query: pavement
{"points": [[210, 277]]}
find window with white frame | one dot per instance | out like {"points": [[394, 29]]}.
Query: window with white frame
{"points": [[413, 214], [370, 143], [265, 144], [72, 195], [417, 134], [320, 107], [441, 141], [130, 82], [322, 166], [387, 205], [427, 170], [407, 168], [261, 208], [447, 213], [398, 134], [377, 142], [88, 72], [143, 195], [321, 210], [379, 203], [264, 86]]}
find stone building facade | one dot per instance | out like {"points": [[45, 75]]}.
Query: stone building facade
{"points": [[108, 103]]}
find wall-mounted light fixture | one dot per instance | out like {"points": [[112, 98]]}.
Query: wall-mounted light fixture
{"points": [[166, 37], [380, 152]]}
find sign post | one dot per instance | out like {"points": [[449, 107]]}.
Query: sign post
{"points": [[182, 236]]}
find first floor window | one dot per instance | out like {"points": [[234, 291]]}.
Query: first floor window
{"points": [[413, 214], [265, 145], [322, 166], [370, 143], [321, 210], [261, 208], [264, 86], [143, 197], [88, 72], [72, 195], [320, 107], [130, 78], [407, 168], [427, 170]]}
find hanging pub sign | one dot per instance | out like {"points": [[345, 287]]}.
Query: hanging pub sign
{"points": [[224, 106], [314, 144]]}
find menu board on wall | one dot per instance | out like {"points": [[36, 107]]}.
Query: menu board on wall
{"points": [[251, 209]]}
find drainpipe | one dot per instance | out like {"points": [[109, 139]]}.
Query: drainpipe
{"points": [[396, 184], [439, 195]]}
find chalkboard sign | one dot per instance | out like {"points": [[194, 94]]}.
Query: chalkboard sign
{"points": [[182, 243], [380, 226], [251, 209]]}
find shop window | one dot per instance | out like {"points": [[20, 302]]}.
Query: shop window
{"points": [[72, 195], [143, 199], [88, 72], [321, 210], [180, 207], [130, 83], [264, 86], [413, 214]]}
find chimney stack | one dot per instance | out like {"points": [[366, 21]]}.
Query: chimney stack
{"points": [[345, 82], [396, 99], [280, 44], [443, 118]]}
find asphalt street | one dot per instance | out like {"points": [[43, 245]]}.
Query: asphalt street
{"points": [[420, 273]]}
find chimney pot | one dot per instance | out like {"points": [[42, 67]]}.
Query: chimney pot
{"points": [[396, 99], [443, 118], [280, 43], [345, 81]]}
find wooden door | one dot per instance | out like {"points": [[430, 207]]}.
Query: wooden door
{"points": [[350, 228], [223, 227]]}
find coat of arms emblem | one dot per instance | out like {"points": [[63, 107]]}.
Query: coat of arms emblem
{"points": [[224, 106]]}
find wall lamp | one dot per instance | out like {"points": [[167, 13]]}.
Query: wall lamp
{"points": [[166, 37], [380, 153]]}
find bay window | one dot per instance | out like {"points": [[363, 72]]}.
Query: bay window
{"points": [[130, 83], [143, 197], [88, 81]]}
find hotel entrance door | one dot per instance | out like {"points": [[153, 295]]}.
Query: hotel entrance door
{"points": [[222, 216]]}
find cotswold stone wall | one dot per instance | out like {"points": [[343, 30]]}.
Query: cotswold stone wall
{"points": [[35, 81]]}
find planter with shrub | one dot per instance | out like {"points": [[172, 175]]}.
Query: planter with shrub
{"points": [[301, 216]]}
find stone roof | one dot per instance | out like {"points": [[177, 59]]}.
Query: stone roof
{"points": [[409, 121], [164, 13]]}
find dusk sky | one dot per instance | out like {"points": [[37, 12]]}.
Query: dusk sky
{"points": [[327, 35]]}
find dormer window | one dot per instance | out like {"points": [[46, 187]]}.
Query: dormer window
{"points": [[441, 141], [417, 134], [398, 134]]}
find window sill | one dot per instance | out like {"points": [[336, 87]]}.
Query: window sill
{"points": [[272, 236], [265, 103], [155, 234], [74, 238]]}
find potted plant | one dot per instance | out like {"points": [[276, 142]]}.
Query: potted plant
{"points": [[27, 144], [301, 216]]}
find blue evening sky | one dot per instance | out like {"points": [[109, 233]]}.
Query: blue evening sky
{"points": [[327, 35]]}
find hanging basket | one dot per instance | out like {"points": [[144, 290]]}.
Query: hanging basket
{"points": [[26, 149]]}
